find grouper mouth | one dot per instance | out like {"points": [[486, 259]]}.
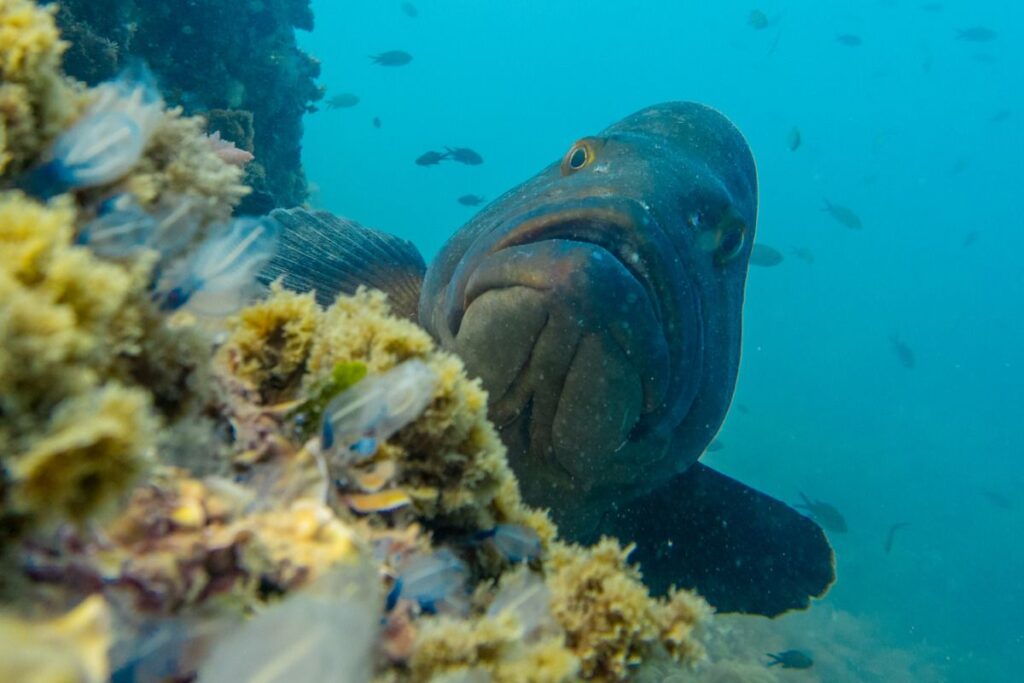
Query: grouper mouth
{"points": [[575, 314]]}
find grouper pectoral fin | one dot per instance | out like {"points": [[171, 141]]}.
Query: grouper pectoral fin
{"points": [[742, 550], [332, 255]]}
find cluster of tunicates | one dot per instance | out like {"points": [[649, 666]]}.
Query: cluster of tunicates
{"points": [[214, 275]]}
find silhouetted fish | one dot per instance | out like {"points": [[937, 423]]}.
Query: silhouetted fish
{"points": [[409, 10], [903, 352], [976, 34], [575, 298], [970, 238], [791, 659], [342, 101], [849, 40], [765, 256], [794, 139], [804, 254], [843, 215], [471, 200], [758, 20], [824, 513], [464, 155], [997, 499], [891, 535], [1000, 116], [376, 122], [431, 158], [392, 58]]}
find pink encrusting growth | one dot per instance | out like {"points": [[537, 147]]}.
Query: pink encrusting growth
{"points": [[228, 152]]}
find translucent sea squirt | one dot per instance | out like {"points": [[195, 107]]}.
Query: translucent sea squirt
{"points": [[224, 267], [107, 141], [361, 417]]}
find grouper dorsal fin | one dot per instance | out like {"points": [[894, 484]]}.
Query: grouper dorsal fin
{"points": [[330, 255]]}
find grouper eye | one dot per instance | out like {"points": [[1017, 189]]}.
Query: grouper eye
{"points": [[732, 236], [579, 156]]}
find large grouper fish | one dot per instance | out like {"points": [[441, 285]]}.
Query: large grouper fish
{"points": [[600, 303]]}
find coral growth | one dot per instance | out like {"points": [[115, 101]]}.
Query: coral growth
{"points": [[71, 648], [610, 619], [221, 74], [36, 100]]}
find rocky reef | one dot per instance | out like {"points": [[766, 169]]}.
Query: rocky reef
{"points": [[234, 63], [199, 480]]}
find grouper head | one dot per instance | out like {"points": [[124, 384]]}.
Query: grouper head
{"points": [[600, 302]]}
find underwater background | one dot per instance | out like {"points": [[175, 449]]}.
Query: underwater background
{"points": [[882, 367]]}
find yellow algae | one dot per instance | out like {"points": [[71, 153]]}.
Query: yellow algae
{"points": [[610, 619], [269, 341], [96, 446], [493, 645], [71, 648], [36, 100]]}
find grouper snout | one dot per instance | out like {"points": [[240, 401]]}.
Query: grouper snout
{"points": [[600, 303]]}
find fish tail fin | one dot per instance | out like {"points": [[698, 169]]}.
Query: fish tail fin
{"points": [[741, 549], [807, 501], [321, 252], [775, 659]]}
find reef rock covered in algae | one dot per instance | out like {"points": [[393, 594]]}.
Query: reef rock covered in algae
{"points": [[310, 461], [235, 63]]}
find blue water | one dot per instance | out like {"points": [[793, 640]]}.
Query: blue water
{"points": [[899, 129]]}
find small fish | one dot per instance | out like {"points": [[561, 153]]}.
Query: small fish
{"points": [[381, 501], [392, 58], [932, 7], [765, 256], [758, 20], [976, 34], [849, 40], [997, 499], [376, 122], [471, 200], [409, 10], [376, 407], [794, 139], [344, 100], [843, 215], [791, 659], [803, 253], [742, 407], [1000, 116], [515, 542], [824, 514], [106, 141], [431, 158], [970, 238], [891, 535], [904, 353], [224, 266], [464, 155], [376, 478]]}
